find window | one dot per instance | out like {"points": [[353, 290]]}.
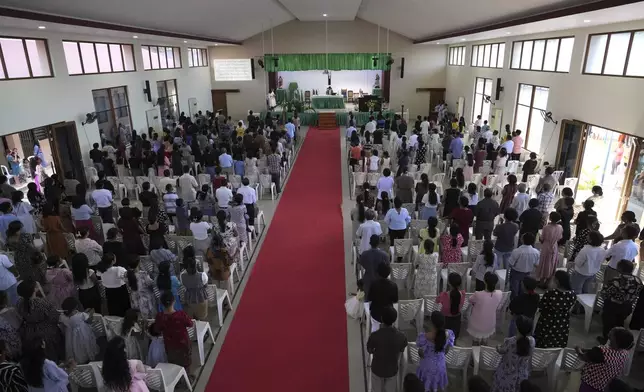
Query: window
{"points": [[488, 56], [160, 57], [96, 57], [24, 58], [167, 93], [531, 102], [550, 55], [457, 55], [615, 54], [197, 57], [482, 88], [113, 111]]}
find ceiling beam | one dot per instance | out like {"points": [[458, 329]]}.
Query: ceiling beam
{"points": [[42, 17], [552, 14]]}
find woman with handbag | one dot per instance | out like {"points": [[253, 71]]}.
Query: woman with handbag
{"points": [[219, 259]]}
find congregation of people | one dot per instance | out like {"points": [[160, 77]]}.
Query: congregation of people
{"points": [[494, 215], [59, 271]]}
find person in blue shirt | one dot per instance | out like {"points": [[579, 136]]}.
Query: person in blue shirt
{"points": [[290, 128], [6, 218], [226, 161], [456, 147]]}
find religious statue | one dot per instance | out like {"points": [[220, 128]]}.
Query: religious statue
{"points": [[280, 82], [377, 83], [272, 102]]}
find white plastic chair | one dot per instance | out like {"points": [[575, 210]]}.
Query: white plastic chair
{"points": [[631, 352], [458, 358], [533, 181], [165, 377], [235, 181], [545, 360], [266, 182], [198, 332], [501, 310], [217, 297], [359, 179], [411, 358], [83, 376], [401, 249], [485, 358], [401, 273], [430, 305], [412, 309], [588, 302]]}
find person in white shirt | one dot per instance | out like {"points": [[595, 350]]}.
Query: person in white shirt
{"points": [[114, 280], [371, 125], [478, 122], [368, 228], [350, 130], [487, 134], [200, 231], [508, 144], [88, 247], [521, 200], [424, 126], [188, 185], [166, 179], [625, 249], [373, 162], [103, 199], [8, 281], [250, 198], [385, 184], [587, 263], [110, 150], [413, 139], [170, 200], [224, 195]]}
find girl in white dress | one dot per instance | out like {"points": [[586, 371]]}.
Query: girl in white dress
{"points": [[156, 351], [80, 341], [24, 212]]}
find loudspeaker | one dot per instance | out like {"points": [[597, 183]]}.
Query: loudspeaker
{"points": [[499, 89], [252, 68], [146, 91], [402, 68], [328, 79]]}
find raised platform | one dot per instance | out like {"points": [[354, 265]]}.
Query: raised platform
{"points": [[311, 118]]}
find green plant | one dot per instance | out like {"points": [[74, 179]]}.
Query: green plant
{"points": [[589, 178]]}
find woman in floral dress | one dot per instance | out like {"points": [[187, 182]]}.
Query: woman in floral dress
{"points": [[432, 369], [425, 283], [142, 298], [228, 233], [550, 236], [515, 361], [239, 217], [508, 192], [59, 281], [554, 307], [29, 261]]}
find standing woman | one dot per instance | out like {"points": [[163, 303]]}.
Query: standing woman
{"points": [[39, 319], [196, 296], [82, 216], [86, 283], [554, 321], [119, 373], [421, 189], [421, 151], [29, 260], [162, 162], [36, 199], [239, 216], [168, 282], [156, 231], [172, 323], [41, 373], [24, 212], [516, 353], [56, 244], [142, 294], [397, 220], [228, 233], [450, 245], [219, 259], [430, 202], [59, 281], [38, 153], [452, 196], [131, 231], [114, 280], [482, 322], [550, 236], [508, 192]]}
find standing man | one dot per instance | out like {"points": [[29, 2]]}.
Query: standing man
{"points": [[486, 210], [522, 262], [224, 195], [96, 156], [188, 185], [274, 162], [226, 161], [250, 198], [103, 199], [370, 126], [619, 295], [456, 147], [290, 129], [518, 145]]}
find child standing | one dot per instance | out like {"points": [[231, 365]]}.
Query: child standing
{"points": [[80, 342], [452, 303], [156, 351], [385, 345], [170, 200], [482, 323], [515, 361], [182, 220], [385, 162], [166, 281], [485, 262], [432, 345], [604, 363], [206, 201], [129, 329], [525, 304], [172, 324]]}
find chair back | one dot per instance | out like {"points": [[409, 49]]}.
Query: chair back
{"points": [[466, 303], [571, 182], [459, 268], [71, 241], [83, 376], [458, 357], [383, 227], [458, 163], [438, 177], [373, 178], [154, 379], [113, 324], [204, 178], [98, 325], [409, 310], [570, 361], [400, 271], [235, 181], [533, 181], [402, 247], [474, 248], [430, 305], [415, 227], [489, 358], [542, 358], [491, 180], [513, 167], [476, 178], [557, 175], [412, 357], [265, 181], [359, 178], [505, 301], [211, 290]]}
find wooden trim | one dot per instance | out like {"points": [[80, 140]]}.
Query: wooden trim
{"points": [[556, 58], [4, 65], [628, 53], [553, 12], [606, 53], [430, 89], [545, 48], [226, 90], [24, 48]]}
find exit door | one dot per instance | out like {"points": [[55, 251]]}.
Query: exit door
{"points": [[219, 101], [63, 138]]}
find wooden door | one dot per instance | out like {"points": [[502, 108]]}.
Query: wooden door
{"points": [[570, 153], [219, 101], [631, 172], [66, 150], [436, 96]]}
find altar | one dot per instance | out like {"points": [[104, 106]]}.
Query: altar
{"points": [[327, 102]]}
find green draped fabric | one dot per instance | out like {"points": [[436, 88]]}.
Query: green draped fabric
{"points": [[327, 102], [311, 118], [318, 61]]}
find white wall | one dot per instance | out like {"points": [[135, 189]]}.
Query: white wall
{"points": [[31, 103], [424, 64], [350, 80], [606, 101]]}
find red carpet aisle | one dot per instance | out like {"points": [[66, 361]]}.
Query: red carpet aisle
{"points": [[289, 332]]}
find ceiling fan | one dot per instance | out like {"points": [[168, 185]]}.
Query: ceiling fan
{"points": [[90, 118]]}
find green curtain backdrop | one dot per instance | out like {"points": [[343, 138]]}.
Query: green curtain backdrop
{"points": [[318, 61]]}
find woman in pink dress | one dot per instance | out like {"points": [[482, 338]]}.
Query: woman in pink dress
{"points": [[60, 282], [450, 249], [482, 322], [119, 373], [550, 235]]}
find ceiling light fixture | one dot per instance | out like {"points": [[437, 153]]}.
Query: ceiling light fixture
{"points": [[324, 15], [41, 27], [507, 33], [216, 44], [185, 42], [135, 36], [586, 20], [462, 39], [438, 43]]}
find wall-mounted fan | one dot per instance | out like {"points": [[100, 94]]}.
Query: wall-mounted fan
{"points": [[547, 117], [159, 102], [488, 99], [89, 118]]}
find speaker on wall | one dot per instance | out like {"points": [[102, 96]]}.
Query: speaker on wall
{"points": [[499, 89], [146, 91], [402, 68], [252, 68]]}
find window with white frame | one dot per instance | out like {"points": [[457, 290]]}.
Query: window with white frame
{"points": [[615, 54], [98, 57], [160, 57], [531, 102], [24, 58], [481, 107], [457, 55], [197, 57], [550, 55], [488, 55]]}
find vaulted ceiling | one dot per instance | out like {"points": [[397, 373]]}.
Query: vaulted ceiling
{"points": [[237, 20]]}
